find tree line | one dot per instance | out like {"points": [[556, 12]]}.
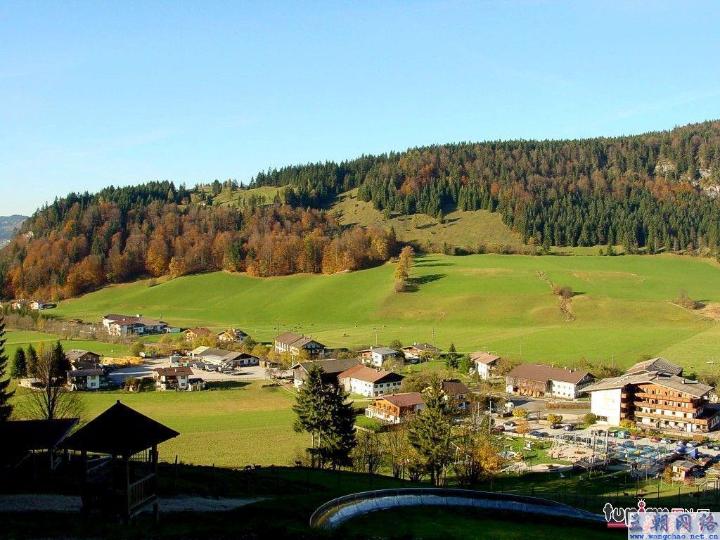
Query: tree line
{"points": [[82, 242], [655, 190]]}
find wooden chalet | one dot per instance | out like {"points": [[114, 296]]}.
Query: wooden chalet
{"points": [[119, 458]]}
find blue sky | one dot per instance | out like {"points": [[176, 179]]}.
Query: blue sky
{"points": [[99, 93]]}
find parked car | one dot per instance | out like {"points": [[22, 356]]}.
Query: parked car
{"points": [[556, 426], [569, 427]]}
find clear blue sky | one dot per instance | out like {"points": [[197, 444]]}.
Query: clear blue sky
{"points": [[94, 93]]}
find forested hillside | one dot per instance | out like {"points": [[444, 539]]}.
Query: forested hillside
{"points": [[83, 242], [655, 190], [8, 224]]}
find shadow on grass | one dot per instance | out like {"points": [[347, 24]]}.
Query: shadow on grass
{"points": [[414, 283], [225, 385]]}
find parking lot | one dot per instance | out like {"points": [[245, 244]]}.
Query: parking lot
{"points": [[146, 369]]}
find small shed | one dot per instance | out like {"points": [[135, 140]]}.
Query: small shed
{"points": [[23, 439], [119, 454]]}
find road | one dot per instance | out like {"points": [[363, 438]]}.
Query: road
{"points": [[146, 369]]}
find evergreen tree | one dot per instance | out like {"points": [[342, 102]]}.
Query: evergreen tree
{"points": [[430, 432], [339, 439], [19, 366], [311, 410], [5, 394], [31, 359]]}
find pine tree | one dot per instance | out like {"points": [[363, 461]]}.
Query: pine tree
{"points": [[5, 394], [19, 366], [311, 410], [32, 359], [339, 440]]}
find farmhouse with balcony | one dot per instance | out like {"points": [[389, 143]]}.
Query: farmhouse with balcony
{"points": [[295, 344], [172, 378], [233, 335], [457, 394], [128, 325], [485, 363], [192, 334], [331, 369], [395, 408], [538, 380], [82, 359], [377, 356], [655, 400], [369, 382], [85, 379]]}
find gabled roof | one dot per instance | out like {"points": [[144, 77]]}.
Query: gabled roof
{"points": [[329, 366], [24, 435], [74, 354], [455, 388], [94, 372], [291, 339], [681, 384], [656, 364], [407, 399], [384, 351], [482, 357], [368, 374], [128, 320], [422, 347], [174, 371], [199, 331], [119, 430], [543, 373]]}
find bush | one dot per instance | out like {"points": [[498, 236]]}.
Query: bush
{"points": [[589, 419]]}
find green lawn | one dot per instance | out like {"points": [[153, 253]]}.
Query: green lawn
{"points": [[228, 428], [23, 338], [622, 312]]}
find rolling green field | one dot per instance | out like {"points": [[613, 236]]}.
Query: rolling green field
{"points": [[227, 428], [622, 308]]}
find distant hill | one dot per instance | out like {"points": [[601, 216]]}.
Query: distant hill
{"points": [[655, 192], [8, 225]]}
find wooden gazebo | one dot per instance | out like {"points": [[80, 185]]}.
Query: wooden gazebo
{"points": [[119, 459]]}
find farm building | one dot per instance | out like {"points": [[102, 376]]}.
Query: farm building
{"points": [[538, 380], [172, 378], [296, 344], [23, 440], [655, 365], [39, 305], [331, 369], [369, 382], [420, 351], [395, 408], [484, 363], [128, 325], [221, 359]]}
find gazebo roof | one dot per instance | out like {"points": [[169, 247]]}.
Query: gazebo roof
{"points": [[119, 430], [24, 435]]}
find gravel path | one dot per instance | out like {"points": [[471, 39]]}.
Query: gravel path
{"points": [[68, 503]]}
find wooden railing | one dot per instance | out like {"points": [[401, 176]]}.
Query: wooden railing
{"points": [[141, 491]]}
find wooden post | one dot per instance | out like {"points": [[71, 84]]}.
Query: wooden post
{"points": [[126, 461]]}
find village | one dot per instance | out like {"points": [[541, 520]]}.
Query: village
{"points": [[650, 420]]}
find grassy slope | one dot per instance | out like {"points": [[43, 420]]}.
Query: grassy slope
{"points": [[228, 428], [482, 301], [235, 198], [461, 229]]}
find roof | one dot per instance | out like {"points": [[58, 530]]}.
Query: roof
{"points": [[685, 464], [119, 430], [291, 339], [200, 331], [127, 320], [541, 372], [454, 388], [24, 435], [407, 399], [385, 351], [422, 347], [173, 371], [74, 354], [681, 384], [212, 354], [482, 357], [656, 364], [368, 374], [330, 366]]}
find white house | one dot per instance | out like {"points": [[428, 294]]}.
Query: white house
{"points": [[377, 356], [485, 363], [84, 379], [369, 382], [172, 378], [539, 380], [222, 359], [125, 325]]}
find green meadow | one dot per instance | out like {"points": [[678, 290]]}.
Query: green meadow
{"points": [[251, 423], [622, 308]]}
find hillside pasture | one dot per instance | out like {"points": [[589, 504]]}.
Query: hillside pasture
{"points": [[622, 309]]}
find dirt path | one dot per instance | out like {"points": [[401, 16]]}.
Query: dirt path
{"points": [[68, 503]]}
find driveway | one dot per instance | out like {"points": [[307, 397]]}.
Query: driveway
{"points": [[146, 369]]}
